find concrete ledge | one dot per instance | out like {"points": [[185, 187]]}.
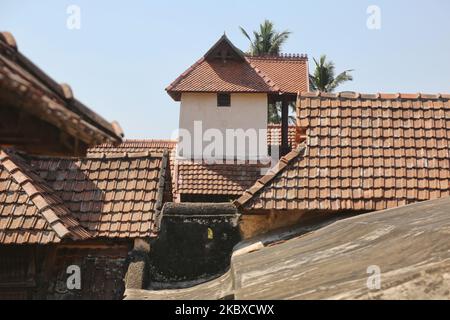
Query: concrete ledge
{"points": [[199, 209]]}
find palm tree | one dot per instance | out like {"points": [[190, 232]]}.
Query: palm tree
{"points": [[323, 78], [266, 41], [274, 113]]}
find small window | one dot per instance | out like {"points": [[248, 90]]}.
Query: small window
{"points": [[223, 100]]}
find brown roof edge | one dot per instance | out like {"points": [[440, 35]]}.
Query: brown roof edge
{"points": [[160, 196], [268, 177], [64, 226], [63, 91], [176, 95], [9, 39]]}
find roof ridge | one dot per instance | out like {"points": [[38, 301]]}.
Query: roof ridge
{"points": [[106, 155], [148, 140], [269, 176], [62, 225], [125, 155], [281, 56], [375, 96]]}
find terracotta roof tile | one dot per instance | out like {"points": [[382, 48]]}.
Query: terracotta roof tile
{"points": [[389, 155], [288, 73], [216, 179], [29, 208], [134, 198], [274, 135], [215, 76], [139, 146], [284, 73]]}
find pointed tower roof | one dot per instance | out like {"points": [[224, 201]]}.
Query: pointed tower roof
{"points": [[225, 68]]}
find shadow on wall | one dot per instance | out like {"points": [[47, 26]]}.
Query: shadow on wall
{"points": [[195, 244]]}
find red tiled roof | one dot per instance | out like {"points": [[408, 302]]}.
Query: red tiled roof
{"points": [[362, 153], [30, 212], [188, 177], [113, 196], [215, 76], [289, 73], [283, 74], [144, 145], [274, 135], [46, 199], [216, 179]]}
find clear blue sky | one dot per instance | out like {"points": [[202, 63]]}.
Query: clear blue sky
{"points": [[127, 52]]}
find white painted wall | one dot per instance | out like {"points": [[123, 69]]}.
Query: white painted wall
{"points": [[248, 111]]}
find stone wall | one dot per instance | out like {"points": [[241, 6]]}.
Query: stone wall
{"points": [[41, 272], [195, 244]]}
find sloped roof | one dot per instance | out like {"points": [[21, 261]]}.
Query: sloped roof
{"points": [[216, 179], [144, 145], [288, 72], [46, 199], [193, 177], [112, 195], [239, 73], [363, 153], [30, 212], [28, 88]]}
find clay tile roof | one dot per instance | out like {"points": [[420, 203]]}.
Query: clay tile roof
{"points": [[22, 81], [240, 73], [288, 72], [212, 76], [188, 177], [216, 179], [30, 213], [274, 135], [150, 145], [362, 153], [112, 195]]}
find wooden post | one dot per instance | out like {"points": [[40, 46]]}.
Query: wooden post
{"points": [[284, 126]]}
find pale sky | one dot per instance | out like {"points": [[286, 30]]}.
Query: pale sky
{"points": [[126, 52]]}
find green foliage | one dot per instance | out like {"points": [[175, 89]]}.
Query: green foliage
{"points": [[266, 41], [324, 79]]}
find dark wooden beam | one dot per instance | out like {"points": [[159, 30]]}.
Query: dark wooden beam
{"points": [[35, 136], [284, 126]]}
